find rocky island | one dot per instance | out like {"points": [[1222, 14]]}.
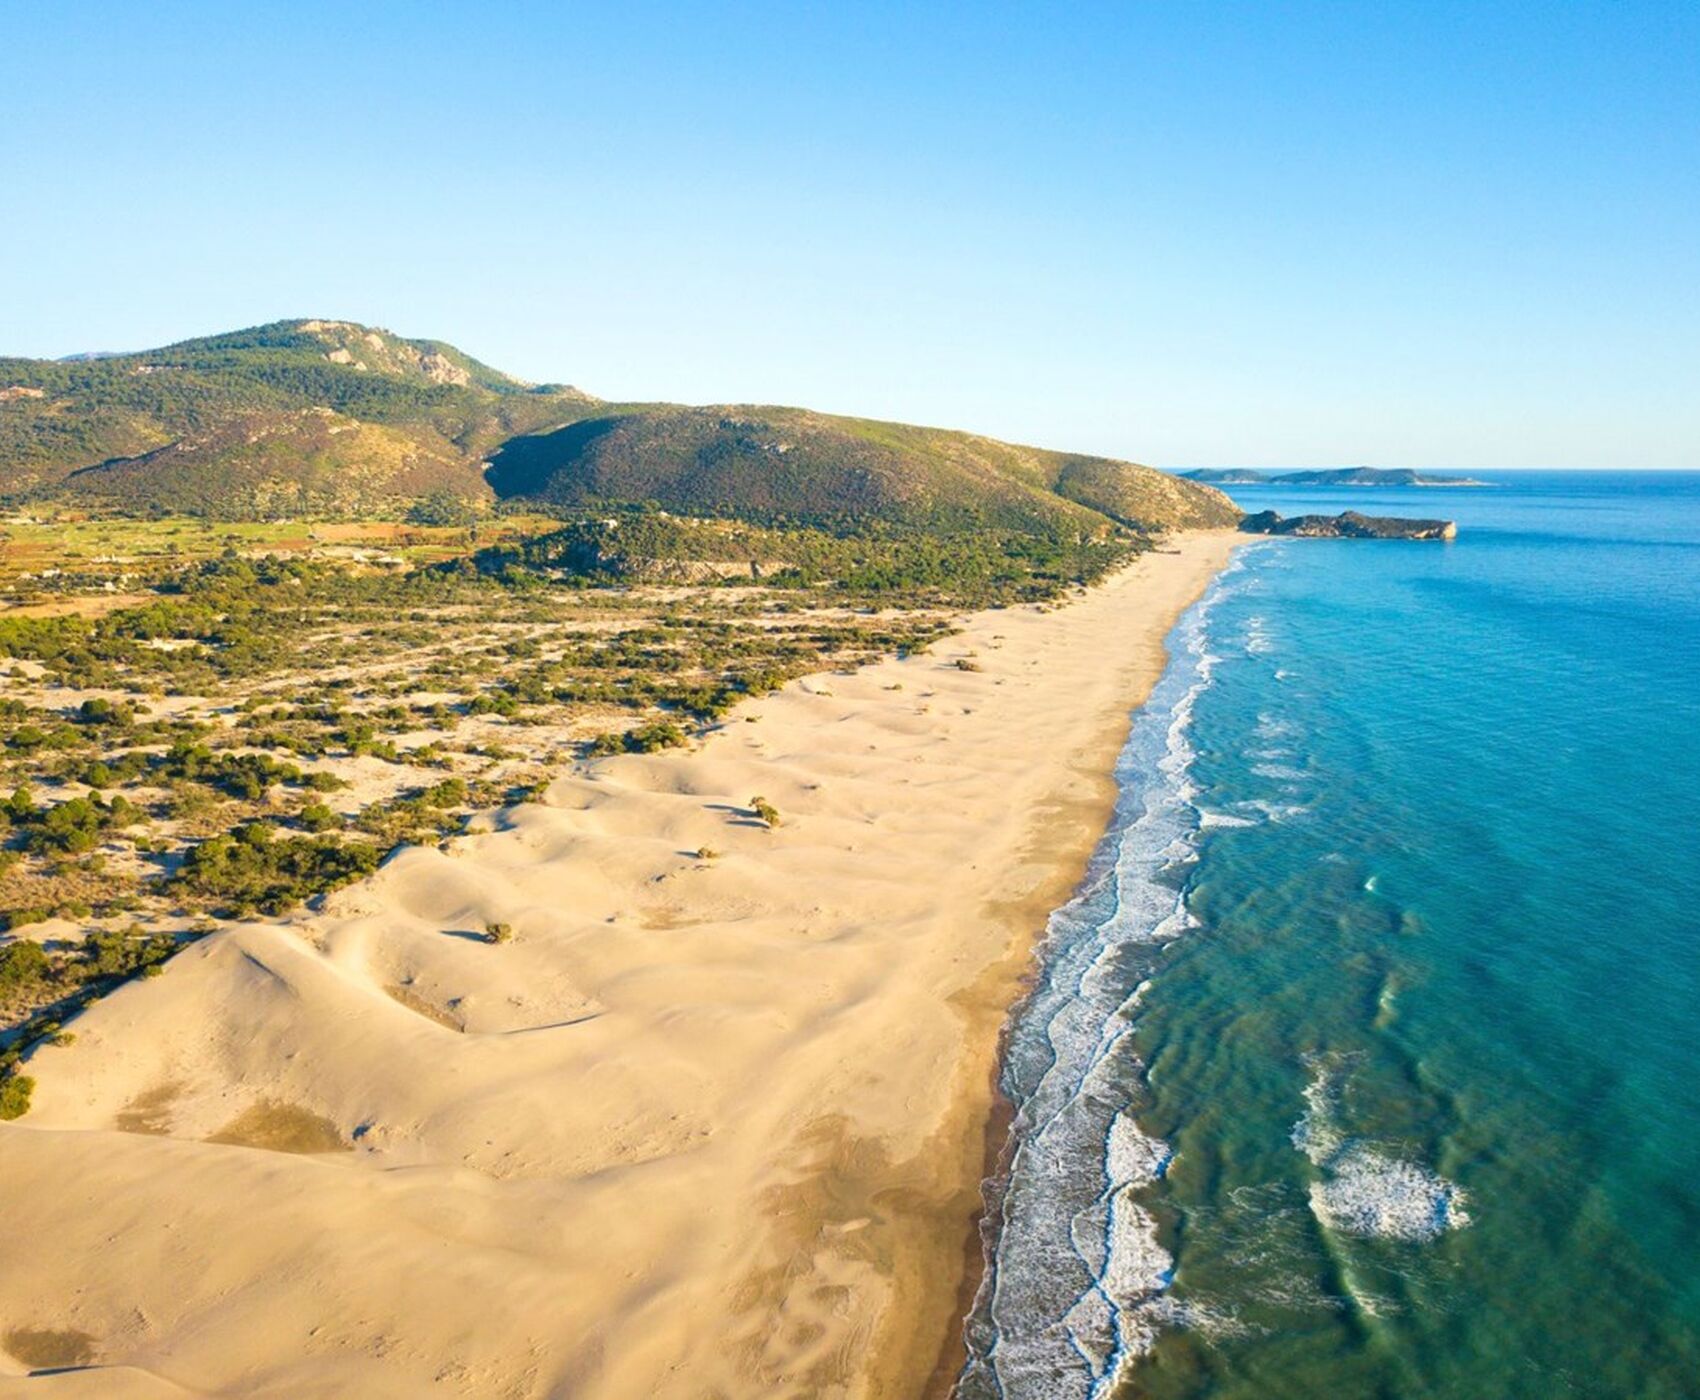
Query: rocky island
{"points": [[1337, 476], [1348, 525]]}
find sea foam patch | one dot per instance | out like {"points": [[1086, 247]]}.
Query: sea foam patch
{"points": [[1365, 1189]]}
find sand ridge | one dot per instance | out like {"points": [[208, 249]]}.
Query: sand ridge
{"points": [[710, 1124]]}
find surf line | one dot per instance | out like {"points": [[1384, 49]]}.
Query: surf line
{"points": [[1074, 1278]]}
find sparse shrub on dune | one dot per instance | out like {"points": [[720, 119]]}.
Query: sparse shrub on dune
{"points": [[316, 817], [22, 963], [650, 738], [255, 870], [15, 1090]]}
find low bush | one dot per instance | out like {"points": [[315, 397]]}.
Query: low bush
{"points": [[15, 1090], [315, 816], [22, 964], [69, 828], [255, 870]]}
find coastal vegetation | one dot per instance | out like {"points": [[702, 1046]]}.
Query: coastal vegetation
{"points": [[264, 616], [253, 729]]}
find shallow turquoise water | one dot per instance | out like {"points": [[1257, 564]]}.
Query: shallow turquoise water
{"points": [[1365, 1064]]}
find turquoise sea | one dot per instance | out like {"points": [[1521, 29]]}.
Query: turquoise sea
{"points": [[1367, 1061]]}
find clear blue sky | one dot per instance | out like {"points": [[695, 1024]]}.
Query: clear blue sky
{"points": [[1192, 233]]}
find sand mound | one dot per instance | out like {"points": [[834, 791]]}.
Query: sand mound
{"points": [[700, 1125]]}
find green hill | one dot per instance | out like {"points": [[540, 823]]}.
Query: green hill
{"points": [[326, 418], [269, 465], [790, 466], [60, 416]]}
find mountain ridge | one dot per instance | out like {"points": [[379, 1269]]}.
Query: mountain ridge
{"points": [[319, 416]]}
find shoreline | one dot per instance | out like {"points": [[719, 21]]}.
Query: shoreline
{"points": [[711, 1123], [1073, 864]]}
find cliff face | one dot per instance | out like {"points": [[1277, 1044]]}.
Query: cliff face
{"points": [[1348, 525]]}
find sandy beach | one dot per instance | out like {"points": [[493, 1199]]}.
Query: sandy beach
{"points": [[710, 1120]]}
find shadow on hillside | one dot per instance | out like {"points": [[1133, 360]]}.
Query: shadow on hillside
{"points": [[523, 466]]}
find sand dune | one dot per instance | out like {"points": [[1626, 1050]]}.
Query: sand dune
{"points": [[706, 1126]]}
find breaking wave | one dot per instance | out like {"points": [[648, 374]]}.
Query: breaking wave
{"points": [[1076, 1276], [1364, 1187]]}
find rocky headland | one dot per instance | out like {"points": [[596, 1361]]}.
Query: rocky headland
{"points": [[1348, 525]]}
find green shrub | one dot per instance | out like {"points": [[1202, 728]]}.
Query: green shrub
{"points": [[315, 816], [765, 811], [647, 738], [650, 738], [20, 806], [22, 963], [15, 1090], [75, 826], [253, 870], [115, 953], [451, 792], [98, 711]]}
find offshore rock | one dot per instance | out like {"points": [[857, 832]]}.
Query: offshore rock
{"points": [[1348, 525]]}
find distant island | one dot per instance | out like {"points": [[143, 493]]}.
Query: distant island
{"points": [[1348, 525], [1337, 476]]}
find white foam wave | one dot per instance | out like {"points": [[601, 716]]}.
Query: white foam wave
{"points": [[1257, 639], [1370, 1193], [1076, 1271], [1365, 1188], [1210, 819], [1273, 811]]}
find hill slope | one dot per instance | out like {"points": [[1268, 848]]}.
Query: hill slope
{"points": [[333, 418], [787, 465], [60, 416], [259, 466]]}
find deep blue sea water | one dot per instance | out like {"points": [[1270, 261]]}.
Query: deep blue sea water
{"points": [[1367, 1062]]}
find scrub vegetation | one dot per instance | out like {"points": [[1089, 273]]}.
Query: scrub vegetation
{"points": [[265, 616]]}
